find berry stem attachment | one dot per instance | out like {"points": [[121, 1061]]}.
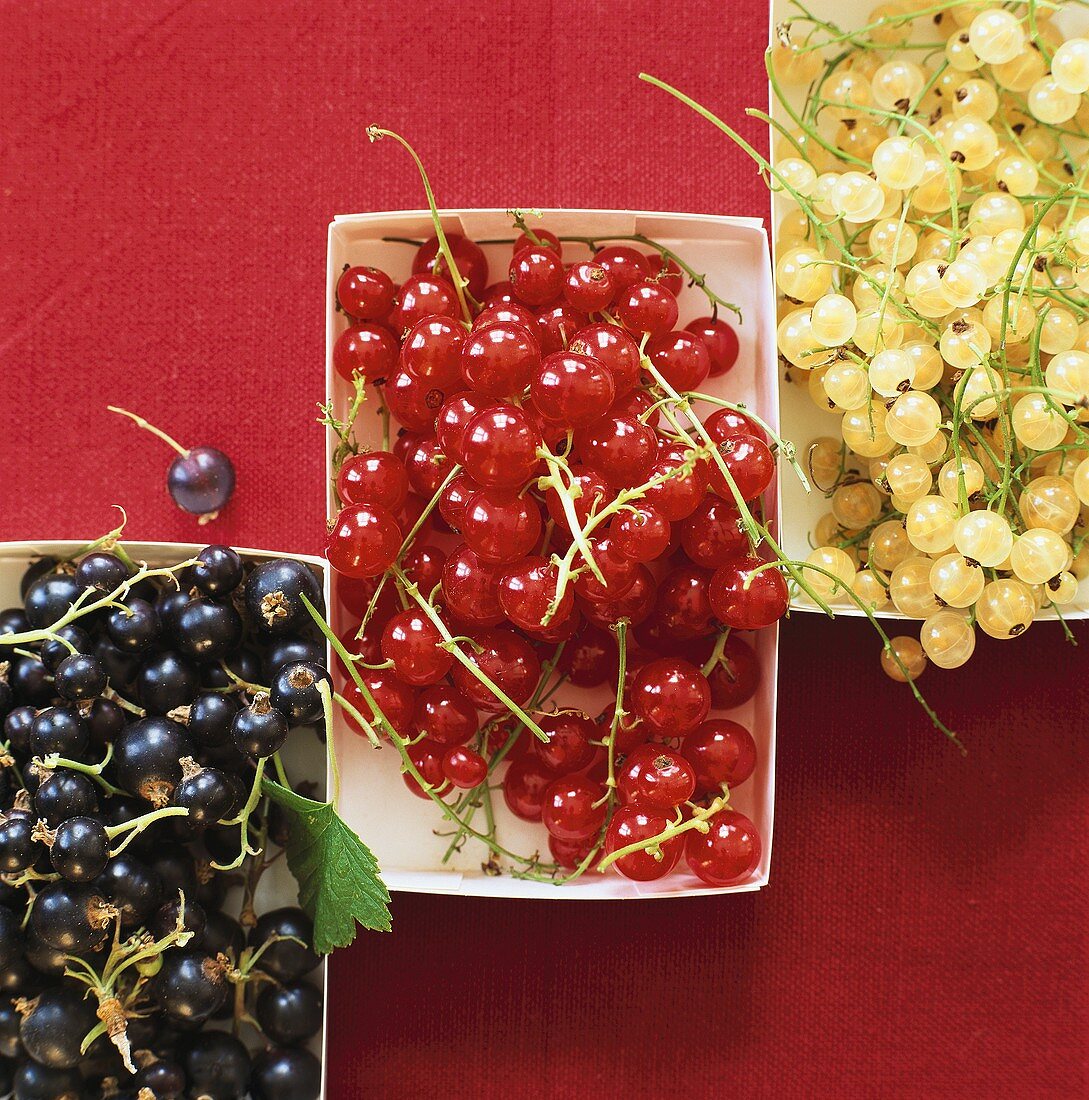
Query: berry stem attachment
{"points": [[149, 427], [138, 824], [243, 819], [653, 844]]}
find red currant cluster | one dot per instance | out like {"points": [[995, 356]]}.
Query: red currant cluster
{"points": [[553, 511]]}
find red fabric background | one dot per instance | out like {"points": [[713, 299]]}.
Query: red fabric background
{"points": [[167, 172]]}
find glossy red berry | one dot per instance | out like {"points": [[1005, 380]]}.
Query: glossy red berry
{"points": [[647, 307], [536, 273], [422, 296], [593, 493], [464, 767], [611, 345], [500, 447], [422, 564], [639, 533], [681, 359], [469, 259], [736, 677], [679, 495], [373, 477], [746, 599], [657, 778], [713, 535], [571, 854], [624, 264], [724, 424], [635, 604], [541, 238], [527, 591], [721, 342], [365, 293], [620, 448], [500, 359], [392, 696], [568, 748], [414, 402], [445, 715], [498, 294], [684, 605], [427, 757], [470, 588], [671, 696], [524, 787], [666, 271], [505, 313], [722, 754], [508, 660], [574, 808], [557, 325], [413, 643], [633, 825], [590, 658], [364, 541], [454, 417], [618, 573], [365, 349], [728, 853], [501, 527], [751, 465], [589, 287], [572, 390], [427, 465], [432, 352], [454, 499]]}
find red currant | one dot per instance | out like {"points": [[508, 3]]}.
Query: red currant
{"points": [[588, 287], [684, 605], [572, 390], [666, 271], [464, 767], [681, 359], [612, 346], [647, 307], [634, 605], [620, 448], [501, 293], [570, 854], [500, 359], [728, 853], [568, 747], [508, 660], [723, 754], [426, 757], [364, 541], [422, 296], [414, 402], [639, 404], [506, 313], [445, 715], [500, 447], [624, 264], [736, 677], [470, 588], [432, 351], [373, 477], [590, 658], [414, 645], [422, 564], [751, 465], [524, 787], [639, 533], [392, 696], [633, 825], [527, 590], [500, 527], [592, 494], [749, 600], [656, 778], [724, 424], [574, 808], [556, 326], [428, 466], [469, 259], [366, 349], [671, 696], [542, 238], [454, 499], [453, 418], [721, 341], [679, 495], [365, 293], [713, 535], [618, 573], [536, 273]]}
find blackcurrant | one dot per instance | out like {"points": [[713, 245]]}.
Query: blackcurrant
{"points": [[102, 571], [45, 959], [208, 795], [190, 985], [147, 758], [274, 594], [79, 677], [35, 570], [286, 1074], [17, 729], [135, 626], [294, 692], [207, 630], [131, 886], [289, 1014], [11, 1046], [54, 651], [106, 720], [217, 1066], [177, 869], [164, 1078], [165, 920], [54, 1027], [49, 597], [80, 849], [289, 651], [121, 666], [259, 729], [59, 729], [18, 849], [243, 663], [223, 934], [169, 606], [30, 682], [201, 481], [65, 794], [38, 1082], [13, 620], [218, 571], [165, 681], [7, 696], [285, 959], [210, 717], [71, 917]]}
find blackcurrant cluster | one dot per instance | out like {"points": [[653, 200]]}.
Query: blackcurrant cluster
{"points": [[140, 707]]}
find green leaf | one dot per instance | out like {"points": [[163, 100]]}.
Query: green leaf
{"points": [[339, 883]]}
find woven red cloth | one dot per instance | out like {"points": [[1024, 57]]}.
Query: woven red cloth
{"points": [[167, 171]]}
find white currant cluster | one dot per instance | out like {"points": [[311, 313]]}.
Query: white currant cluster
{"points": [[933, 272]]}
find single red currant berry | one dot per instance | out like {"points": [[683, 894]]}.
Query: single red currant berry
{"points": [[354, 594], [414, 645], [647, 307], [748, 599], [724, 424], [453, 418], [611, 345], [500, 447], [639, 533], [469, 259], [684, 606], [655, 777], [679, 495], [736, 677], [633, 825], [589, 287], [454, 499], [508, 660], [392, 696], [638, 404], [620, 448], [728, 853], [501, 293], [590, 493], [422, 296], [574, 808], [445, 715], [373, 477], [432, 352], [723, 754], [590, 658], [713, 535], [364, 541], [635, 604], [536, 273], [681, 359], [470, 588], [500, 359], [571, 854], [527, 591], [556, 326], [524, 787], [751, 465], [624, 264], [426, 757], [618, 572], [501, 528], [721, 341], [365, 349], [671, 696], [414, 402], [422, 564], [368, 648], [572, 390], [568, 747], [541, 238], [428, 466], [464, 767], [365, 293], [507, 313], [666, 271]]}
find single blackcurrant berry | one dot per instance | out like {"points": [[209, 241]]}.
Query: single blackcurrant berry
{"points": [[79, 677], [54, 1025], [286, 1074], [206, 793], [291, 1013], [218, 571], [147, 758], [259, 729], [102, 571], [190, 985], [285, 959], [295, 693], [207, 630], [80, 849], [274, 594]]}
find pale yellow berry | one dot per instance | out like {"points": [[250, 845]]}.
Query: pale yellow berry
{"points": [[814, 384], [934, 451], [1017, 174], [888, 545], [994, 213], [1021, 73], [791, 64], [928, 364], [984, 536], [847, 385], [1067, 375], [931, 521], [803, 274], [829, 559], [1070, 66], [949, 478], [824, 460], [859, 137], [1050, 104], [795, 175], [897, 84], [941, 183], [964, 283], [797, 342], [1050, 502], [899, 162], [1006, 608], [1079, 236], [870, 591], [1038, 555], [979, 392], [863, 430], [1063, 589], [908, 477], [996, 36], [1059, 331], [1012, 319], [844, 92], [1081, 481], [833, 320], [1036, 423], [948, 638], [856, 505], [874, 284], [903, 660], [981, 250], [910, 590], [893, 242], [960, 55], [890, 24], [877, 330], [891, 372], [924, 290], [914, 419], [956, 580], [856, 198], [793, 230], [970, 142], [965, 344], [975, 99]]}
